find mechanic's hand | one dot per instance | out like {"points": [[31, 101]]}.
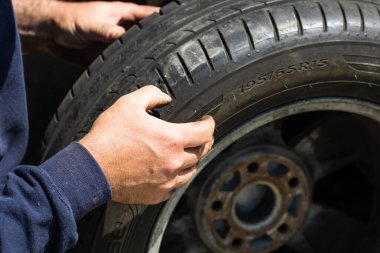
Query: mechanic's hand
{"points": [[76, 32], [143, 157]]}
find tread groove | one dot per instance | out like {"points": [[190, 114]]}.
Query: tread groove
{"points": [[275, 29], [44, 142], [165, 82], [209, 62], [236, 9], [149, 58], [299, 21], [225, 46], [190, 31], [362, 22], [249, 35], [184, 66], [87, 73], [344, 17], [325, 27]]}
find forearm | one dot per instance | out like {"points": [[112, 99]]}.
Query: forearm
{"points": [[33, 217], [39, 205], [36, 20]]}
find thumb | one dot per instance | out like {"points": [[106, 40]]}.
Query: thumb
{"points": [[149, 97]]}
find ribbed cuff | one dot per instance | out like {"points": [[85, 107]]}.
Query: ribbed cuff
{"points": [[79, 178]]}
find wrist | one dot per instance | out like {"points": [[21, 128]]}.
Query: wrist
{"points": [[74, 166], [36, 20], [94, 149]]}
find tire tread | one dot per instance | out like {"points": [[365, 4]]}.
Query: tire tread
{"points": [[209, 22]]}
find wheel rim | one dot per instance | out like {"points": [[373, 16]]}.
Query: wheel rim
{"points": [[269, 230], [253, 202]]}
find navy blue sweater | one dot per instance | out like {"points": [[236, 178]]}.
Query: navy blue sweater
{"points": [[38, 204]]}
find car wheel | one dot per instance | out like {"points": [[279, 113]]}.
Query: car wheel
{"points": [[294, 89]]}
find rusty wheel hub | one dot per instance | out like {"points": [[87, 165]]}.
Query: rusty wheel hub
{"points": [[253, 202]]}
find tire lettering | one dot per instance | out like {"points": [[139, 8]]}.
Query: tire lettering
{"points": [[284, 71], [304, 66], [262, 79], [291, 69], [280, 72], [247, 86], [323, 63]]}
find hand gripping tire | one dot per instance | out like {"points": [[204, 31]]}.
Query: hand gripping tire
{"points": [[233, 59]]}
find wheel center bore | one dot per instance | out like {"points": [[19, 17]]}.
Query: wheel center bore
{"points": [[254, 204], [253, 201]]}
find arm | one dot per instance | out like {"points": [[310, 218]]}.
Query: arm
{"points": [[39, 205], [69, 30], [142, 159]]}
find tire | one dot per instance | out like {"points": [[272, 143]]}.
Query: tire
{"points": [[233, 59]]}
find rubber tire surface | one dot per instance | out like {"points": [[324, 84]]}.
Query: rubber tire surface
{"points": [[233, 59]]}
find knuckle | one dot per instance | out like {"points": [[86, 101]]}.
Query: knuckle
{"points": [[195, 161], [151, 89], [173, 141], [123, 100], [183, 182], [165, 188], [131, 4], [209, 134], [168, 173], [203, 130], [150, 86], [206, 149], [173, 165], [170, 186], [208, 129]]}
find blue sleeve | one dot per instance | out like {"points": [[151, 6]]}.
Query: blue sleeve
{"points": [[40, 204]]}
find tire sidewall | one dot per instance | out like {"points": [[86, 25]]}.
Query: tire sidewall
{"points": [[319, 68]]}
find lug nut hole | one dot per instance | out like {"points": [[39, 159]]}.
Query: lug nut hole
{"points": [[283, 229], [253, 168], [293, 182], [217, 205], [236, 243], [276, 169]]}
